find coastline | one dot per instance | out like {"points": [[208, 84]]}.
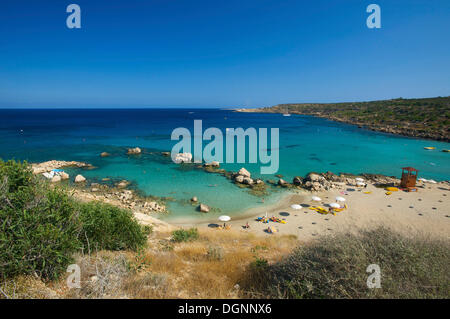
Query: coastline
{"points": [[410, 213], [388, 129], [423, 211]]}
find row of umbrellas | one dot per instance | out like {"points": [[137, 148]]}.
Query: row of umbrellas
{"points": [[318, 199], [359, 182]]}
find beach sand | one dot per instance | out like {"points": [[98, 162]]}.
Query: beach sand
{"points": [[424, 212]]}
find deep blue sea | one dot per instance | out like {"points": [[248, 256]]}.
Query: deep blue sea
{"points": [[306, 144]]}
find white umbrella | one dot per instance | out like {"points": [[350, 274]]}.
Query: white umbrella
{"points": [[340, 199], [296, 206], [359, 179], [224, 218], [316, 199], [335, 205]]}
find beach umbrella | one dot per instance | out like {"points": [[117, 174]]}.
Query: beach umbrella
{"points": [[340, 199], [316, 198], [335, 205], [224, 218], [296, 206], [360, 184]]}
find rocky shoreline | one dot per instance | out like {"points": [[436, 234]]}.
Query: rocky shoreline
{"points": [[116, 194], [408, 131]]}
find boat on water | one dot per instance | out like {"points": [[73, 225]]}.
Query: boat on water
{"points": [[430, 148], [286, 114]]}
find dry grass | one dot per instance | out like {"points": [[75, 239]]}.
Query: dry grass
{"points": [[210, 267], [233, 264], [335, 267]]}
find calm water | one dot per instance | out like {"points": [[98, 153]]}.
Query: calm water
{"points": [[306, 144]]}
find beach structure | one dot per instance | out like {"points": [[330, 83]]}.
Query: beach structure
{"points": [[409, 177]]}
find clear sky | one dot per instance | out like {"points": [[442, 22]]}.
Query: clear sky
{"points": [[217, 53]]}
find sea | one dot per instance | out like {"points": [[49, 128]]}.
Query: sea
{"points": [[306, 144]]}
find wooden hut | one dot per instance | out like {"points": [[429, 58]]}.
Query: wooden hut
{"points": [[409, 177]]}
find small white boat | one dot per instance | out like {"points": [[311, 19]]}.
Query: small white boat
{"points": [[286, 114]]}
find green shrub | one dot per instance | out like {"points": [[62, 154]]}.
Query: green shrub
{"points": [[335, 267], [181, 235], [109, 227], [42, 227], [38, 226]]}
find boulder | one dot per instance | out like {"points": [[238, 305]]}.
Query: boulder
{"points": [[167, 154], [105, 154], [80, 179], [282, 182], [64, 176], [244, 172], [194, 199], [56, 179], [134, 151], [203, 208], [239, 179], [215, 164], [248, 181], [183, 158], [313, 177], [212, 164], [297, 181]]}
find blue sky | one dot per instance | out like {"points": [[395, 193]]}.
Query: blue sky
{"points": [[179, 53]]}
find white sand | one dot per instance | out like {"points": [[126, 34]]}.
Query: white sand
{"points": [[426, 211]]}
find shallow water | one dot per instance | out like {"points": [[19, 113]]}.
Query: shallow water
{"points": [[306, 144]]}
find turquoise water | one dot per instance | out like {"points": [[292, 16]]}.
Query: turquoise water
{"points": [[306, 144]]}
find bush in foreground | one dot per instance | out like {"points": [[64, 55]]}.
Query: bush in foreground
{"points": [[38, 226], [109, 227], [182, 235], [335, 267], [42, 227]]}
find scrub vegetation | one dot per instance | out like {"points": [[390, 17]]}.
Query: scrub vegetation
{"points": [[425, 118]]}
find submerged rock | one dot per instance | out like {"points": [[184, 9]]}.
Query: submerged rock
{"points": [[105, 154]]}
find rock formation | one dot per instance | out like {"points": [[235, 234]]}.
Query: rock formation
{"points": [[80, 179], [134, 151]]}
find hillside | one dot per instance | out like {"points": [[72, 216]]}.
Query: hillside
{"points": [[423, 118]]}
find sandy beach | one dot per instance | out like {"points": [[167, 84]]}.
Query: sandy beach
{"points": [[425, 211]]}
